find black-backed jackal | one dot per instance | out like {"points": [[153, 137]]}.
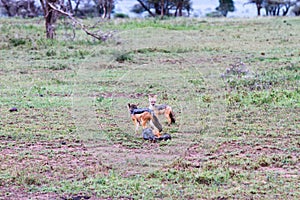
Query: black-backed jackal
{"points": [[141, 116], [162, 109]]}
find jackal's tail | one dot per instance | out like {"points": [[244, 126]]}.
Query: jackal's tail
{"points": [[155, 122], [172, 116]]}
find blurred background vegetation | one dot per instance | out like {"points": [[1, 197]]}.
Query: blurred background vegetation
{"points": [[151, 8]]}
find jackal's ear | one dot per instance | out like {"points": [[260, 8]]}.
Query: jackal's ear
{"points": [[128, 105]]}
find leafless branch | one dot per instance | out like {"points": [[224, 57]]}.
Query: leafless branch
{"points": [[102, 36]]}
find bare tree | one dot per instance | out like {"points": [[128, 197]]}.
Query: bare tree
{"points": [[52, 9], [50, 17]]}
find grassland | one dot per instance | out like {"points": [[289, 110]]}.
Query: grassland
{"points": [[233, 84]]}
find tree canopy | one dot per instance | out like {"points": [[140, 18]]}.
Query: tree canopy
{"points": [[276, 7], [225, 7], [163, 7]]}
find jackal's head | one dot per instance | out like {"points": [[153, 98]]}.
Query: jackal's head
{"points": [[132, 106], [152, 99]]}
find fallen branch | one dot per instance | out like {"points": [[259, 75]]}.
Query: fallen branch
{"points": [[102, 36]]}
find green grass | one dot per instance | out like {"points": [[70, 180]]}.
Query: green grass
{"points": [[234, 90]]}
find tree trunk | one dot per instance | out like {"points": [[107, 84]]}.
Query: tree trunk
{"points": [[180, 8], [50, 30], [76, 7], [178, 11], [258, 6], [162, 8], [278, 10], [110, 8], [49, 16], [70, 6], [285, 12]]}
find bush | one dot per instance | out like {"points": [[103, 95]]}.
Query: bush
{"points": [[17, 41], [121, 15]]}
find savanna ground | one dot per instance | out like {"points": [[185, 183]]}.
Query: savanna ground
{"points": [[233, 84]]}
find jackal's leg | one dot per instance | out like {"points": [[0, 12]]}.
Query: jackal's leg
{"points": [[144, 123], [137, 128], [167, 115], [136, 125]]}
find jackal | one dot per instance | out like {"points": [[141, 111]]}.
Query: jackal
{"points": [[141, 116], [162, 109]]}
